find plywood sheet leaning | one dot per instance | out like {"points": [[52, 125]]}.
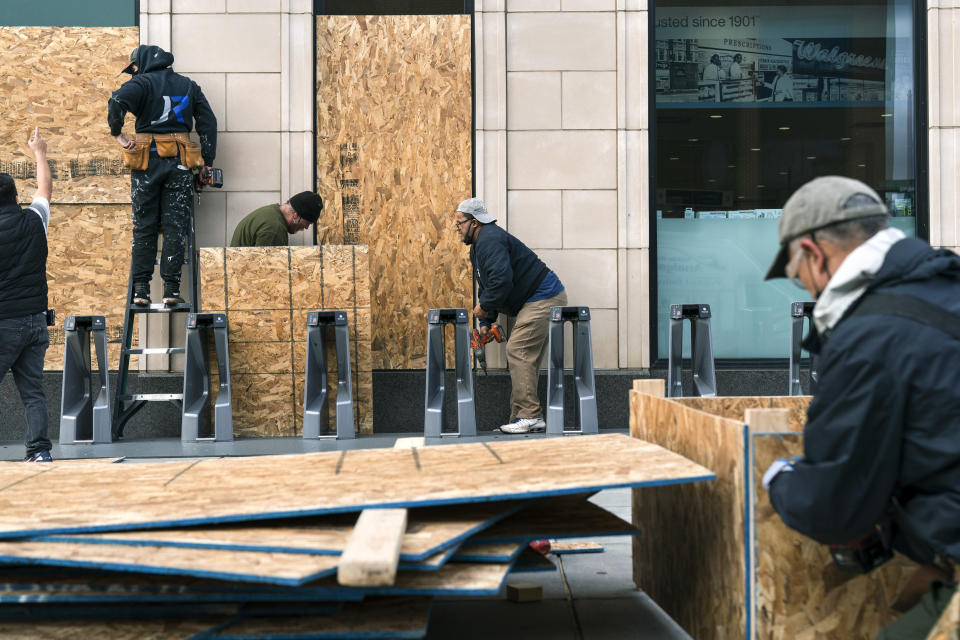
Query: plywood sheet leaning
{"points": [[60, 78], [268, 487], [88, 266], [799, 592], [690, 558], [716, 556], [266, 293], [394, 157]]}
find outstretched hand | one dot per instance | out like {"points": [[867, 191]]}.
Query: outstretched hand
{"points": [[36, 143]]}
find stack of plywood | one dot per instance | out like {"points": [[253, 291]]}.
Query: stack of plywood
{"points": [[267, 546], [266, 293], [720, 561]]}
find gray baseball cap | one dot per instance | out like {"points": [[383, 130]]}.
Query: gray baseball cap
{"points": [[476, 208], [821, 203]]}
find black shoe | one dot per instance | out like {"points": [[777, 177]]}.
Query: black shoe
{"points": [[171, 294], [40, 456], [141, 294]]}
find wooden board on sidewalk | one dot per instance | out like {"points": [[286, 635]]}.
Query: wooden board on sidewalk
{"points": [[123, 497]]}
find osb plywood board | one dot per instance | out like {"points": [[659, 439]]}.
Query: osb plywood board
{"points": [[948, 626], [231, 565], [266, 293], [567, 517], [60, 78], [488, 552], [181, 628], [394, 157], [429, 530], [88, 267], [273, 486], [800, 593], [373, 618], [691, 556], [733, 407]]}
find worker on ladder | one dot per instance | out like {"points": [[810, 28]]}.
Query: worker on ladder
{"points": [[161, 158]]}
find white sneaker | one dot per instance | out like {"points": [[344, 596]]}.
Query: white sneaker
{"points": [[524, 425]]}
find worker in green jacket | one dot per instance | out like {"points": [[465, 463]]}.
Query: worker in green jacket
{"points": [[269, 226]]}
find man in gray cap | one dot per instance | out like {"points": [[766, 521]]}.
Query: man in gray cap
{"points": [[512, 280], [881, 463], [269, 226]]}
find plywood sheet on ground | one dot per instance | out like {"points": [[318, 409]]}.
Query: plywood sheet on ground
{"points": [[701, 549], [60, 78], [394, 158], [373, 618], [489, 552], [429, 530], [264, 487], [266, 293], [798, 589], [88, 268], [246, 566], [566, 517]]}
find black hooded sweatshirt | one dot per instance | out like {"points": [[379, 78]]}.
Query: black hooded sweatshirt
{"points": [[163, 102]]}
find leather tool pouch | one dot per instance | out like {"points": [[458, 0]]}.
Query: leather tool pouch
{"points": [[190, 155], [138, 158], [166, 145]]}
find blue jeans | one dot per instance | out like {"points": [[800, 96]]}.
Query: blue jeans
{"points": [[23, 344]]}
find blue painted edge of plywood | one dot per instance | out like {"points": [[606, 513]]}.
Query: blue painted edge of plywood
{"points": [[189, 597], [466, 556], [272, 515], [422, 566], [410, 558], [568, 552], [165, 571], [561, 536]]}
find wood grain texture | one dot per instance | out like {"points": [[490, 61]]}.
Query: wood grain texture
{"points": [[60, 78], [394, 157], [88, 266], [691, 558], [372, 553], [799, 592], [269, 486], [266, 293], [429, 530], [563, 517], [694, 560]]}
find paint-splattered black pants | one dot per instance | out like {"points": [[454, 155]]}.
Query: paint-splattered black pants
{"points": [[162, 198]]}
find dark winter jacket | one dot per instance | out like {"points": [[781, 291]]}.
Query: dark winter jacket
{"points": [[885, 421], [507, 271], [23, 263], [163, 102]]}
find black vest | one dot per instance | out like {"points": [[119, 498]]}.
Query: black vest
{"points": [[23, 262]]}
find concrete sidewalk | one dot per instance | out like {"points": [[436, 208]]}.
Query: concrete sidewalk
{"points": [[590, 597]]}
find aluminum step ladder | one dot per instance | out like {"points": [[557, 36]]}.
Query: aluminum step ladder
{"points": [[437, 320], [701, 347], [798, 312], [196, 378], [126, 405], [583, 377], [316, 377], [85, 415]]}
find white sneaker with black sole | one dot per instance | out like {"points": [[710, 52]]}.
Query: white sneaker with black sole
{"points": [[524, 425]]}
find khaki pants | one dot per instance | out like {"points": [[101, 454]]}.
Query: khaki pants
{"points": [[526, 345]]}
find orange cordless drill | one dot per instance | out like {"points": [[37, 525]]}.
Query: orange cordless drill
{"points": [[478, 342]]}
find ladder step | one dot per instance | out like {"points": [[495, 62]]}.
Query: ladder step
{"points": [[159, 308], [156, 351], [152, 397]]}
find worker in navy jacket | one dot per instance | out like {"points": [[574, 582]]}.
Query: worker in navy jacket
{"points": [[882, 438], [513, 281]]}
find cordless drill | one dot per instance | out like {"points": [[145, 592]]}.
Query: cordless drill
{"points": [[478, 342]]}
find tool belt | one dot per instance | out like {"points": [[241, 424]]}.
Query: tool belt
{"points": [[168, 145]]}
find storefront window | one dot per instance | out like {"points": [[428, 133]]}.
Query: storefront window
{"points": [[751, 103]]}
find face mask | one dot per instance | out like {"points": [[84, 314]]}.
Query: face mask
{"points": [[468, 238]]}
